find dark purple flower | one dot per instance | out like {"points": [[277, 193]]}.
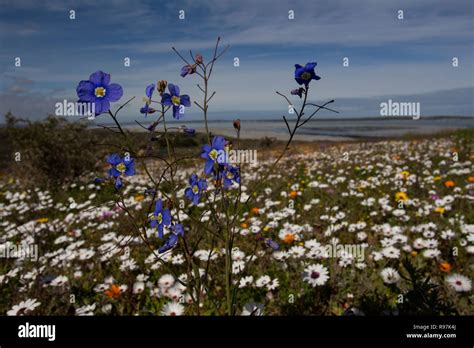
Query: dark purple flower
{"points": [[176, 231], [231, 175], [99, 91], [161, 217], [214, 153], [188, 70], [272, 244], [149, 93], [120, 166], [197, 186], [175, 100], [304, 74]]}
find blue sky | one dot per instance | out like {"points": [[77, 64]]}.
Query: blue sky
{"points": [[406, 60]]}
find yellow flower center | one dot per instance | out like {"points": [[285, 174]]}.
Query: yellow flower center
{"points": [[229, 175], [176, 100], [195, 189], [100, 92], [158, 218], [121, 167], [306, 75], [213, 154]]}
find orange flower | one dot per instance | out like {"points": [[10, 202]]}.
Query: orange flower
{"points": [[414, 253], [449, 183], [289, 238], [396, 157], [139, 198], [440, 210], [244, 225], [471, 179], [445, 267], [255, 211], [113, 292], [293, 194]]}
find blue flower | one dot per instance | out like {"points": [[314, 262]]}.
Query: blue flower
{"points": [[231, 175], [304, 75], [161, 217], [149, 93], [175, 100], [176, 231], [120, 166], [99, 91], [272, 244], [194, 192], [214, 154]]}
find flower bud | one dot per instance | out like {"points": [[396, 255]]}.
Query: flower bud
{"points": [[199, 59], [237, 124], [162, 86]]}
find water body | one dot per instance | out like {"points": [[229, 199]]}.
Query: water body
{"points": [[337, 129]]}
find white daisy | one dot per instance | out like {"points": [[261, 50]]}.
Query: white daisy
{"points": [[253, 309], [273, 285], [166, 281], [459, 282], [316, 275], [245, 281], [24, 307], [138, 287], [390, 275], [172, 309], [59, 281], [263, 281]]}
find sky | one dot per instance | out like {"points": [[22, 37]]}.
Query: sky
{"points": [[403, 60]]}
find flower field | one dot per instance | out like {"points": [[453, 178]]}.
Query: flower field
{"points": [[379, 228]]}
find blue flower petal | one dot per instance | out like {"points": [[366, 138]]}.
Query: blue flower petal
{"points": [[85, 91], [114, 92], [100, 78], [166, 100], [166, 217], [149, 90], [174, 90], [101, 106], [209, 166], [185, 100]]}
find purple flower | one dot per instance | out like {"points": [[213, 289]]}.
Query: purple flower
{"points": [[161, 217], [176, 231], [298, 92], [188, 69], [175, 100], [304, 74], [120, 166], [149, 93], [213, 153], [197, 186], [272, 244], [99, 91], [190, 131], [231, 175]]}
